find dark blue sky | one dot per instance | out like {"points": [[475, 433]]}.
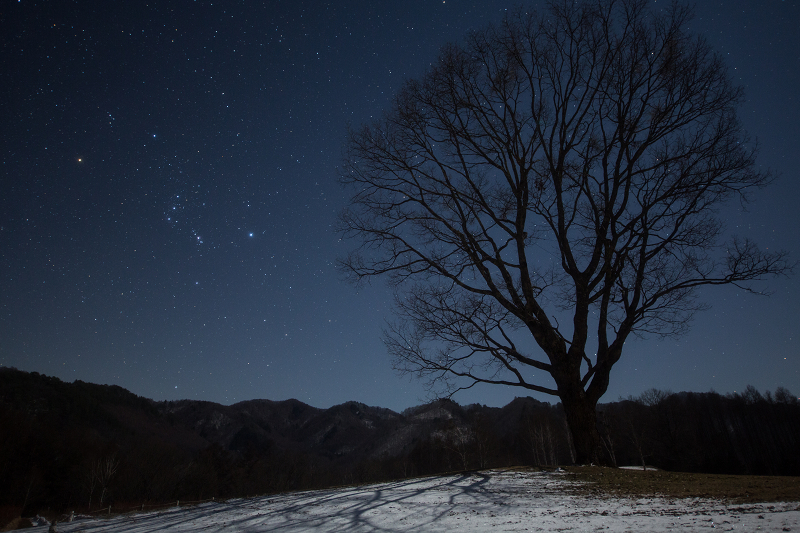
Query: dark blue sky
{"points": [[168, 194]]}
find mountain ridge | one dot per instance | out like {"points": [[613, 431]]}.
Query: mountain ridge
{"points": [[351, 429], [80, 445]]}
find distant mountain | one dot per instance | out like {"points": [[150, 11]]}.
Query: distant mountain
{"points": [[81, 446], [342, 434]]}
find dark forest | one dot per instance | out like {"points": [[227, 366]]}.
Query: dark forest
{"points": [[83, 447]]}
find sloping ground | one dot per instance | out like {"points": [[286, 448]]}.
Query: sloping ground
{"points": [[493, 501], [599, 481]]}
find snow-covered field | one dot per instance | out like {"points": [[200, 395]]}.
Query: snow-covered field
{"points": [[488, 501]]}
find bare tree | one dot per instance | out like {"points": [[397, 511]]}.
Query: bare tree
{"points": [[90, 481], [483, 432], [569, 162], [538, 434], [457, 439], [101, 472], [607, 438]]}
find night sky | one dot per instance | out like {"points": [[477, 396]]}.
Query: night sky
{"points": [[168, 197]]}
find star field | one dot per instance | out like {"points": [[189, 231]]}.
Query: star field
{"points": [[168, 197]]}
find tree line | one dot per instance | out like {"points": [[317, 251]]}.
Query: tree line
{"points": [[81, 458]]}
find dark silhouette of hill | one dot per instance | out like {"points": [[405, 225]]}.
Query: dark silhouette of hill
{"points": [[81, 446]]}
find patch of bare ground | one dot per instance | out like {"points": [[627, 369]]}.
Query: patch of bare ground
{"points": [[601, 481]]}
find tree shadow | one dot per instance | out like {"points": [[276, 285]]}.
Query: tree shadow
{"points": [[384, 508]]}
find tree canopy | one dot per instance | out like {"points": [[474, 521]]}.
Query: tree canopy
{"points": [[573, 159]]}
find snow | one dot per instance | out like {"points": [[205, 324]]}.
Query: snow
{"points": [[495, 501]]}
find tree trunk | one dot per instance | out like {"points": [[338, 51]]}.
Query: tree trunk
{"points": [[581, 415]]}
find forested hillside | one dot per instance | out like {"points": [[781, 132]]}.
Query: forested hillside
{"points": [[80, 446]]}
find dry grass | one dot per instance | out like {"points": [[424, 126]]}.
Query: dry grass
{"points": [[636, 483]]}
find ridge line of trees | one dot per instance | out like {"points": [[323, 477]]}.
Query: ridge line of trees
{"points": [[58, 454]]}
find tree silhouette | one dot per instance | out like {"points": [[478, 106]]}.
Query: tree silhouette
{"points": [[565, 161]]}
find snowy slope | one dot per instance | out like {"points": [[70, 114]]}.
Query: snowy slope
{"points": [[493, 501]]}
